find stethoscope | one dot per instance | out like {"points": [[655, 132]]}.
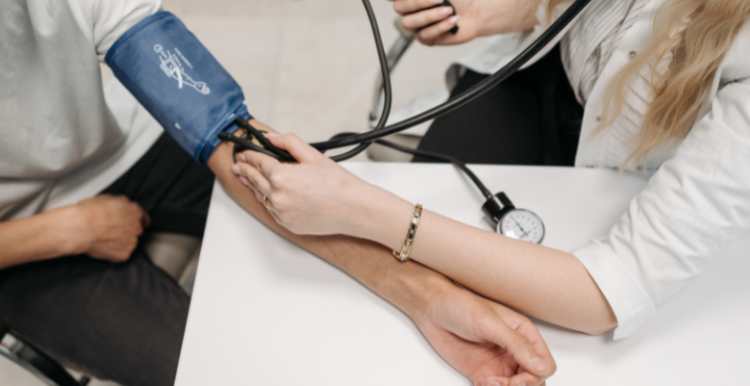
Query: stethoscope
{"points": [[510, 221]]}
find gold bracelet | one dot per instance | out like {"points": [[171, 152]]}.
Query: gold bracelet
{"points": [[404, 254]]}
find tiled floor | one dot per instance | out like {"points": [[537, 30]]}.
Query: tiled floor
{"points": [[306, 66]]}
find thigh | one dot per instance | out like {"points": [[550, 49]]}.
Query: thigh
{"points": [[173, 188], [123, 322]]}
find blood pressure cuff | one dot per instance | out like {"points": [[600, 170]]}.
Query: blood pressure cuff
{"points": [[179, 82]]}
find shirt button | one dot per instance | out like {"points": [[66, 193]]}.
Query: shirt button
{"points": [[632, 54]]}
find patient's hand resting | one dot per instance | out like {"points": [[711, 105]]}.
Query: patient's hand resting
{"points": [[485, 341]]}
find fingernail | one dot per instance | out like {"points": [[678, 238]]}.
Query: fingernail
{"points": [[244, 180], [242, 157], [435, 1], [235, 169], [539, 365], [522, 384], [446, 11], [273, 135], [496, 384], [454, 19]]}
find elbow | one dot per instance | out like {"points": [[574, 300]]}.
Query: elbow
{"points": [[599, 328], [601, 323]]}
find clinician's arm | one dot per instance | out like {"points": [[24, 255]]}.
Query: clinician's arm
{"points": [[474, 18], [104, 227], [478, 337], [318, 196]]}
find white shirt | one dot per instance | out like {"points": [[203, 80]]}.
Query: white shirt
{"points": [[65, 137], [697, 200], [597, 31]]}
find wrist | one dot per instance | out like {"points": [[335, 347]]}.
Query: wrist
{"points": [[382, 217], [421, 290], [74, 237]]}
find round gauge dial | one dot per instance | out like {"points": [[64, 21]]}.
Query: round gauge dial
{"points": [[523, 225]]}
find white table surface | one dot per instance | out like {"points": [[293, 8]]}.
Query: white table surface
{"points": [[265, 312]]}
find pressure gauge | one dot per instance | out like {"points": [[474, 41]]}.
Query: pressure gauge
{"points": [[521, 224], [511, 222]]}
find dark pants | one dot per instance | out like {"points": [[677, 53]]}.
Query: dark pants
{"points": [[122, 322], [532, 118]]}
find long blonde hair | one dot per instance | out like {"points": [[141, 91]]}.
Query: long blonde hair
{"points": [[694, 35]]}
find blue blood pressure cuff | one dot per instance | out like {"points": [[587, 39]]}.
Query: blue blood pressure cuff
{"points": [[179, 82]]}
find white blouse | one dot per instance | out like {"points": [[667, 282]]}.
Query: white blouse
{"points": [[697, 200]]}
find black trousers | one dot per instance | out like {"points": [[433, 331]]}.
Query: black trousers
{"points": [[122, 322], [532, 118]]}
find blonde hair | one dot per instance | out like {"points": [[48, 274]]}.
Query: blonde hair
{"points": [[694, 36]]}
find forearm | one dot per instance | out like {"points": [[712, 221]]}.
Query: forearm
{"points": [[543, 282], [404, 285], [40, 237]]}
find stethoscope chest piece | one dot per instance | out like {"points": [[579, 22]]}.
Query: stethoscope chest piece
{"points": [[520, 224]]}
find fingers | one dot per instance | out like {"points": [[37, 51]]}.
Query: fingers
{"points": [[523, 351], [259, 180], [423, 19], [299, 149], [260, 162], [404, 7], [431, 34]]}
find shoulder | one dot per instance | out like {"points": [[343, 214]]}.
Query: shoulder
{"points": [[104, 21]]}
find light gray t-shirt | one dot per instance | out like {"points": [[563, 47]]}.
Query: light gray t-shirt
{"points": [[63, 135]]}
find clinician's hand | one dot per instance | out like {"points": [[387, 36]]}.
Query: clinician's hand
{"points": [[314, 197], [474, 18], [107, 227], [485, 341]]}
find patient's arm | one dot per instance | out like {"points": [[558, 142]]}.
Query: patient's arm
{"points": [[549, 284], [476, 336], [103, 227]]}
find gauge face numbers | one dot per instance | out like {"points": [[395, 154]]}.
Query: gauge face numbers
{"points": [[523, 225]]}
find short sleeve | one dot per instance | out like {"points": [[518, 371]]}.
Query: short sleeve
{"points": [[694, 206], [105, 21]]}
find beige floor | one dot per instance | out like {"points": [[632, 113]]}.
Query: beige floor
{"points": [[306, 66]]}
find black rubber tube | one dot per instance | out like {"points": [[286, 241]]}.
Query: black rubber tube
{"points": [[469, 95]]}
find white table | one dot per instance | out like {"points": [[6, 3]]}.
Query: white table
{"points": [[265, 312]]}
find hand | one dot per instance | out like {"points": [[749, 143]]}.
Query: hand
{"points": [[315, 197], [485, 341], [474, 18], [107, 227]]}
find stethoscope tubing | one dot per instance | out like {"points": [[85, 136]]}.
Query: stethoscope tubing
{"points": [[461, 100]]}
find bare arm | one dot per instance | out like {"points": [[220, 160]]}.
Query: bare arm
{"points": [[542, 282], [35, 238], [461, 326], [105, 227], [361, 259]]}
